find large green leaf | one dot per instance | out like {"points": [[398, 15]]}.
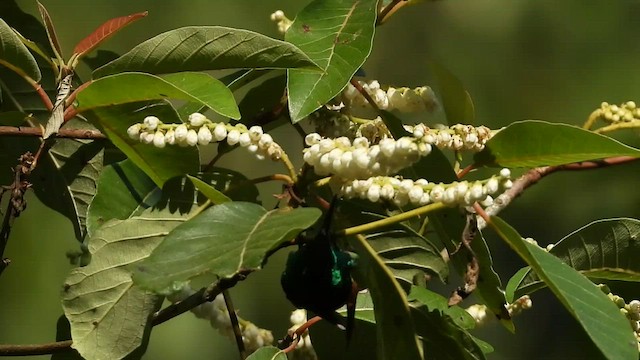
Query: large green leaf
{"points": [[159, 164], [597, 314], [108, 314], [126, 88], [396, 335], [434, 301], [604, 249], [209, 191], [224, 240], [338, 36], [233, 184], [15, 55], [268, 353], [534, 143], [66, 180], [123, 189], [456, 100], [207, 48]]}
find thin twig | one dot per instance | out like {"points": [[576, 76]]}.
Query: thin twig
{"points": [[62, 133], [388, 11], [235, 325], [35, 349], [293, 339]]}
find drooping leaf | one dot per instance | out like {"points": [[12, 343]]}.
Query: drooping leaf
{"points": [[394, 124], [133, 87], [604, 249], [514, 283], [263, 97], [207, 48], [209, 191], [105, 31], [396, 335], [26, 24], [338, 36], [420, 296], [268, 353], [66, 179], [456, 100], [109, 315], [534, 143], [408, 255], [159, 164], [123, 189], [15, 55], [232, 183], [51, 31], [597, 314], [223, 240]]}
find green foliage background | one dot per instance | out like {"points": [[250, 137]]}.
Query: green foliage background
{"points": [[553, 61]]}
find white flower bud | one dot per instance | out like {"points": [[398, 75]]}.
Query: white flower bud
{"points": [[387, 147], [491, 187], [265, 141], [505, 173], [233, 137], [255, 132], [151, 122], [360, 142], [373, 194], [170, 137], [197, 119], [134, 131], [146, 137], [415, 194], [326, 145], [220, 132], [252, 148], [244, 140], [192, 138], [488, 201], [312, 139], [204, 136], [437, 193], [158, 139], [634, 306], [181, 132]]}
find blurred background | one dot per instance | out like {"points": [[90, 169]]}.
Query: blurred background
{"points": [[547, 60]]}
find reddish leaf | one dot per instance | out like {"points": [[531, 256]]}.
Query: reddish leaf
{"points": [[105, 31], [51, 31]]}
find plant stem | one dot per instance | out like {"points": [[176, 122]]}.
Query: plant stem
{"points": [[62, 133], [390, 220], [35, 349], [388, 11], [234, 323], [618, 126], [592, 119], [289, 165]]}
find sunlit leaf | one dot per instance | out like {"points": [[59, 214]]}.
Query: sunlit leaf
{"points": [[534, 143], [209, 191], [435, 301], [123, 189], [396, 335], [600, 318], [109, 316], [338, 36], [133, 87], [268, 353], [605, 249], [15, 55], [105, 31], [207, 48], [51, 31], [159, 164], [223, 240], [232, 183]]}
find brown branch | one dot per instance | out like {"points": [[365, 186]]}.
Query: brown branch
{"points": [[35, 349], [62, 133], [235, 325]]}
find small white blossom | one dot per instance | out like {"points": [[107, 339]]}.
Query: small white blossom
{"points": [[204, 136], [233, 137], [158, 139], [220, 132], [197, 119], [192, 137], [181, 132], [134, 131], [151, 122]]}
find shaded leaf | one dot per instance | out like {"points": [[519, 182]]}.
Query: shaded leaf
{"points": [[434, 301], [263, 97], [51, 31], [15, 55], [394, 124], [338, 36], [456, 100], [100, 58], [105, 31], [605, 249], [600, 318], [159, 164], [66, 179], [209, 191], [232, 183], [364, 308], [123, 189], [63, 332], [223, 240], [514, 282], [133, 87], [534, 143], [396, 335], [108, 314], [268, 353], [207, 48]]}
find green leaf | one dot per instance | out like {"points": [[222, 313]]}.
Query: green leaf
{"points": [[604, 249], [338, 36], [207, 48], [66, 179], [514, 282], [108, 314], [224, 240], [159, 164], [232, 183], [15, 55], [268, 353], [134, 87], [394, 124], [600, 318], [456, 100], [396, 336], [435, 301], [533, 143], [123, 190], [364, 308], [263, 97], [209, 191], [408, 255]]}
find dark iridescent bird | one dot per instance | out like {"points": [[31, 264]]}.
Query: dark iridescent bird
{"points": [[318, 277]]}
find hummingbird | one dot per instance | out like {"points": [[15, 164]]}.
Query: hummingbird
{"points": [[317, 277]]}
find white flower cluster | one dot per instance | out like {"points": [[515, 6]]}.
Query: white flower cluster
{"points": [[218, 315], [480, 312], [304, 349], [630, 310], [202, 131], [358, 159], [402, 99], [421, 192], [619, 113], [283, 22]]}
